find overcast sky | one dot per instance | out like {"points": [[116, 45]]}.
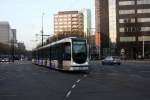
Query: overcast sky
{"points": [[25, 15]]}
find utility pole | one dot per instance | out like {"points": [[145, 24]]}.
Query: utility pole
{"points": [[42, 31]]}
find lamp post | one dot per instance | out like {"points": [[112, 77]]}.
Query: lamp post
{"points": [[42, 30], [90, 41]]}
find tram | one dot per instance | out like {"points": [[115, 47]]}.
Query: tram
{"points": [[69, 54]]}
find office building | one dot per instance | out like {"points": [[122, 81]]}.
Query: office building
{"points": [[112, 21], [5, 32], [14, 38], [87, 21], [102, 26], [7, 35], [133, 28], [68, 21]]}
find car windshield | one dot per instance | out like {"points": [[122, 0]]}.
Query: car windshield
{"points": [[115, 57]]}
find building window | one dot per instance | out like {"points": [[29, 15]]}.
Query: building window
{"points": [[127, 39], [65, 19], [143, 1], [145, 38], [122, 20], [60, 16], [69, 19], [121, 30], [143, 19], [65, 23], [126, 11], [122, 3], [61, 23], [145, 28], [143, 11], [69, 15], [74, 15], [132, 20]]}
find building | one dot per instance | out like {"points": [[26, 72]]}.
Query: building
{"points": [[68, 21], [112, 27], [112, 21], [13, 38], [4, 32], [7, 35], [102, 26], [87, 21], [133, 28]]}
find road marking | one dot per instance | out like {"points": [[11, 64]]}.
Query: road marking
{"points": [[68, 94], [73, 86], [78, 80]]}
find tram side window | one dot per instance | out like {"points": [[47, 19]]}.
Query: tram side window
{"points": [[67, 52], [40, 54], [60, 51], [53, 53], [46, 53]]}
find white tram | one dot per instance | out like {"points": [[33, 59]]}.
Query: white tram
{"points": [[70, 54]]}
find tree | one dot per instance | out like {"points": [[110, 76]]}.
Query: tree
{"points": [[4, 49]]}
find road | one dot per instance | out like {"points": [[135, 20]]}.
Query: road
{"points": [[24, 81]]}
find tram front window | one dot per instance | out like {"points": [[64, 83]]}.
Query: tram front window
{"points": [[79, 51]]}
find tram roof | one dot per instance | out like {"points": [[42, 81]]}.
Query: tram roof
{"points": [[57, 42]]}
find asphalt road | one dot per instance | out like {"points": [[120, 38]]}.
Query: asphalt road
{"points": [[24, 81]]}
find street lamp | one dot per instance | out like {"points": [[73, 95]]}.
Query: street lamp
{"points": [[42, 30]]}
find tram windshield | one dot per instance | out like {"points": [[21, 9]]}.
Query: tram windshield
{"points": [[79, 51]]}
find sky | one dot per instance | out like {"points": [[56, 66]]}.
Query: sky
{"points": [[26, 16]]}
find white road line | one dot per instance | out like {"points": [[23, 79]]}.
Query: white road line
{"points": [[78, 80], [73, 86], [68, 94]]}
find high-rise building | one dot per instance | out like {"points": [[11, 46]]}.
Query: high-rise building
{"points": [[7, 35], [133, 28], [68, 21], [102, 26], [14, 38], [87, 21], [112, 21], [4, 32]]}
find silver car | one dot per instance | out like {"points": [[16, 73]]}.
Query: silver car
{"points": [[111, 60]]}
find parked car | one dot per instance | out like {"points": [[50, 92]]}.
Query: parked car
{"points": [[4, 59], [111, 60]]}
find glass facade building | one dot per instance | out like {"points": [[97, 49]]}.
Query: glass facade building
{"points": [[87, 21], [133, 28]]}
